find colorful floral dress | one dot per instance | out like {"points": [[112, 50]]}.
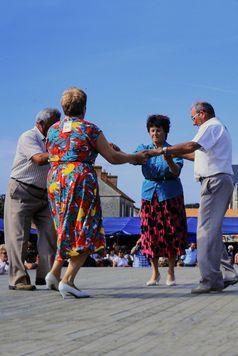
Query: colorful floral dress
{"points": [[73, 187]]}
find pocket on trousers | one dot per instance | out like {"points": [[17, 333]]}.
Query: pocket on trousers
{"points": [[13, 190], [206, 187]]}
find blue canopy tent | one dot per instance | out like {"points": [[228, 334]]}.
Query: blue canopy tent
{"points": [[33, 231], [130, 226], [122, 226]]}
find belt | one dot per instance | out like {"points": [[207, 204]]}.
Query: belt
{"points": [[162, 179], [201, 179], [30, 185]]}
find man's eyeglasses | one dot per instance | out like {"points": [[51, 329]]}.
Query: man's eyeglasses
{"points": [[194, 117]]}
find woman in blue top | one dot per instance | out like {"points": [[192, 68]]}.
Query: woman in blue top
{"points": [[163, 217]]}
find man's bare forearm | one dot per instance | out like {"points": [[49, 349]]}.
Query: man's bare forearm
{"points": [[176, 150], [188, 156]]}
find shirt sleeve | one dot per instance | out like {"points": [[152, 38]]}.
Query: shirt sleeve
{"points": [[178, 161], [29, 145], [141, 147], [209, 136]]}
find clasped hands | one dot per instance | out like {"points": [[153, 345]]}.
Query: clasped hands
{"points": [[145, 154], [142, 156]]}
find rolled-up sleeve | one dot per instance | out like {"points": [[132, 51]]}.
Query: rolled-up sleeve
{"points": [[208, 137]]}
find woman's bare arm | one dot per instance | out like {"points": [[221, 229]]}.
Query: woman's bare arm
{"points": [[117, 157], [173, 167]]}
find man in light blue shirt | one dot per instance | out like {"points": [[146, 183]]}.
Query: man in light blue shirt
{"points": [[190, 259], [139, 260]]}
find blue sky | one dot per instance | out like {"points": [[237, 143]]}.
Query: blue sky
{"points": [[132, 57]]}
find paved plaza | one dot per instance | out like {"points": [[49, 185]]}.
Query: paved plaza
{"points": [[123, 317]]}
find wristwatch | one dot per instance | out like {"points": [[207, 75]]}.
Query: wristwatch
{"points": [[164, 150]]}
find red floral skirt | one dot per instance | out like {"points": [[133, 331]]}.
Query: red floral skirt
{"points": [[163, 227]]}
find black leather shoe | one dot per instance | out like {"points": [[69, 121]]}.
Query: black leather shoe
{"points": [[230, 283], [22, 286], [217, 289], [200, 289], [40, 281]]}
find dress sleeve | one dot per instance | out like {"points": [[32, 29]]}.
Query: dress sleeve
{"points": [[93, 134]]}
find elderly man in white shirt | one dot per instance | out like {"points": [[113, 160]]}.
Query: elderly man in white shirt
{"points": [[211, 152], [27, 202]]}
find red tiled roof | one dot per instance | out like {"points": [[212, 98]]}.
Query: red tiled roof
{"points": [[194, 212]]}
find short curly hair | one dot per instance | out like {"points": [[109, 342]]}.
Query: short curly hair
{"points": [[158, 121], [73, 101]]}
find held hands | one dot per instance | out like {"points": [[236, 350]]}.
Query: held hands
{"points": [[158, 152], [154, 152], [140, 157]]}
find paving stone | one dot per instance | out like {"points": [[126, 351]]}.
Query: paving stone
{"points": [[123, 317]]}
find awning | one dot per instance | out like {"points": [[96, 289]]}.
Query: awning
{"points": [[131, 226]]}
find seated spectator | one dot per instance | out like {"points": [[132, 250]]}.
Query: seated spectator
{"points": [[112, 255], [163, 262], [120, 260], [98, 259], [139, 260], [32, 257], [190, 259], [101, 259], [3, 259], [230, 251], [32, 265], [236, 258], [90, 262]]}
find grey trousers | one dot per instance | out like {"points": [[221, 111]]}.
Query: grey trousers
{"points": [[216, 193], [24, 205]]}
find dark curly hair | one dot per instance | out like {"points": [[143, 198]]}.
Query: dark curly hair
{"points": [[159, 121]]}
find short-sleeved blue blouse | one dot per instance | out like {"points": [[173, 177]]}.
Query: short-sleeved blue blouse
{"points": [[158, 178]]}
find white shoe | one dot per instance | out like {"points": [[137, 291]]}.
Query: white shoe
{"points": [[51, 281], [171, 283], [153, 282], [67, 291]]}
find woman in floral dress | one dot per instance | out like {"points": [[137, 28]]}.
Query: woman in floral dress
{"points": [[73, 145]]}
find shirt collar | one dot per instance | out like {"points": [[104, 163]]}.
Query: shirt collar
{"points": [[40, 134], [210, 121], [164, 145], [72, 118]]}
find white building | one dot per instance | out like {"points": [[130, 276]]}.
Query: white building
{"points": [[114, 202]]}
